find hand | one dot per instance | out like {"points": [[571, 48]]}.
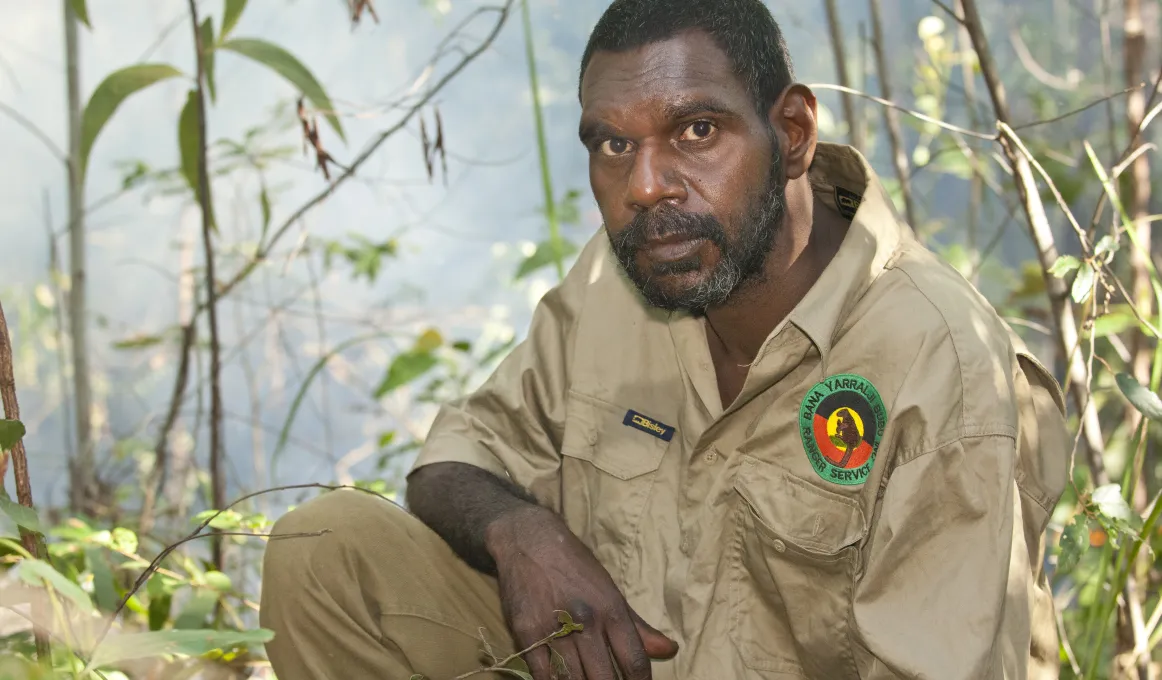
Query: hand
{"points": [[543, 568]]}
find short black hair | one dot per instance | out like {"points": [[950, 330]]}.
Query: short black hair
{"points": [[743, 29]]}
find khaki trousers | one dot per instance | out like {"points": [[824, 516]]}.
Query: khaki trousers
{"points": [[381, 596]]}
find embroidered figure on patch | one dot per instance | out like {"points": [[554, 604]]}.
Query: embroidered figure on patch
{"points": [[841, 422], [648, 425], [847, 202]]}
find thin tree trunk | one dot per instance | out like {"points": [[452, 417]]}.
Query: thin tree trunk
{"points": [[82, 469], [976, 185], [1042, 234], [32, 541], [217, 480], [1130, 632], [838, 48], [892, 116]]}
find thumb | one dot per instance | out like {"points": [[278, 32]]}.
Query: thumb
{"points": [[657, 645]]}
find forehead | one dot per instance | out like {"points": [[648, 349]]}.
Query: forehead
{"points": [[688, 66]]}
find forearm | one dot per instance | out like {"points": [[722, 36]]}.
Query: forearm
{"points": [[462, 503]]}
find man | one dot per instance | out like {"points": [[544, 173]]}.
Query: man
{"points": [[757, 432]]}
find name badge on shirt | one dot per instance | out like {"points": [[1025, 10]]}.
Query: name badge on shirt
{"points": [[648, 425]]}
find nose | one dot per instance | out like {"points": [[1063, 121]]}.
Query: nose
{"points": [[653, 179]]}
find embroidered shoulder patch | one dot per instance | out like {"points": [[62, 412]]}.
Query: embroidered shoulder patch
{"points": [[847, 202], [841, 422], [648, 425]]}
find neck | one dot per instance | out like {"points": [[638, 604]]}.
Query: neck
{"points": [[801, 252]]}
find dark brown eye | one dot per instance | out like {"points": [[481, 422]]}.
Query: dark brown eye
{"points": [[614, 147], [698, 130]]}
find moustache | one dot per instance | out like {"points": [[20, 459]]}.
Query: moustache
{"points": [[668, 223]]}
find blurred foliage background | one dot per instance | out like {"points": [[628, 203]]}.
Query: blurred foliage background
{"points": [[249, 247]]}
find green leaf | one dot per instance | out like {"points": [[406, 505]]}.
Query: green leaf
{"points": [[1147, 403], [207, 40], [405, 368], [231, 15], [132, 646], [227, 520], [1105, 248], [21, 515], [11, 431], [110, 94], [1064, 265], [138, 342], [1109, 501], [160, 605], [124, 540], [81, 10], [462, 346], [429, 340], [518, 669], [218, 581], [193, 616], [544, 256], [38, 573], [264, 203], [104, 587], [1083, 284], [288, 66], [188, 140], [1073, 544]]}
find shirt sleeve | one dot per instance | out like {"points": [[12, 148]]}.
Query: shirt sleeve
{"points": [[513, 424], [931, 603]]}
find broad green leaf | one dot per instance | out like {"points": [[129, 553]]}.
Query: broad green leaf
{"points": [[1064, 265], [227, 520], [11, 431], [104, 587], [405, 368], [517, 668], [288, 66], [1083, 284], [1109, 501], [188, 140], [1147, 403], [124, 540], [110, 94], [38, 573], [21, 515], [207, 40], [231, 15], [1117, 321], [544, 256], [1074, 542], [198, 607], [132, 646], [81, 10]]}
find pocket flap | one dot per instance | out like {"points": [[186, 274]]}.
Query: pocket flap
{"points": [[797, 511], [610, 438]]}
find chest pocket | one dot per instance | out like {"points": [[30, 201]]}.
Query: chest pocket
{"points": [[795, 559], [608, 472]]}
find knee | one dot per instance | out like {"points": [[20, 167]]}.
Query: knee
{"points": [[343, 518]]}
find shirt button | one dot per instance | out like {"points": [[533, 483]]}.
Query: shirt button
{"points": [[593, 438], [780, 547], [711, 456]]}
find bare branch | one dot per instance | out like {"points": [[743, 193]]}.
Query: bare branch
{"points": [[891, 115]]}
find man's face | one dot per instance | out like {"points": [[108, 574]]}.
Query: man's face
{"points": [[686, 174]]}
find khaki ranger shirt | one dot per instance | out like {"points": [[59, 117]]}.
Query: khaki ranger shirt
{"points": [[871, 506]]}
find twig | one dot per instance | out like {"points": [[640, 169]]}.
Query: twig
{"points": [[502, 664], [915, 114], [837, 46], [36, 132], [1042, 234], [891, 115], [1083, 109], [197, 533], [951, 12], [157, 475], [217, 481], [32, 541]]}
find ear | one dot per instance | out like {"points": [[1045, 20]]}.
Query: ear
{"points": [[794, 119]]}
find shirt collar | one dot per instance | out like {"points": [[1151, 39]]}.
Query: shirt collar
{"points": [[842, 179]]}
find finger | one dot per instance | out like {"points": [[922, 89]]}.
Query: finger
{"points": [[538, 662], [595, 656], [657, 645], [629, 653], [567, 665]]}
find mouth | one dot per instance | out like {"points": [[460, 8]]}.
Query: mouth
{"points": [[672, 248]]}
